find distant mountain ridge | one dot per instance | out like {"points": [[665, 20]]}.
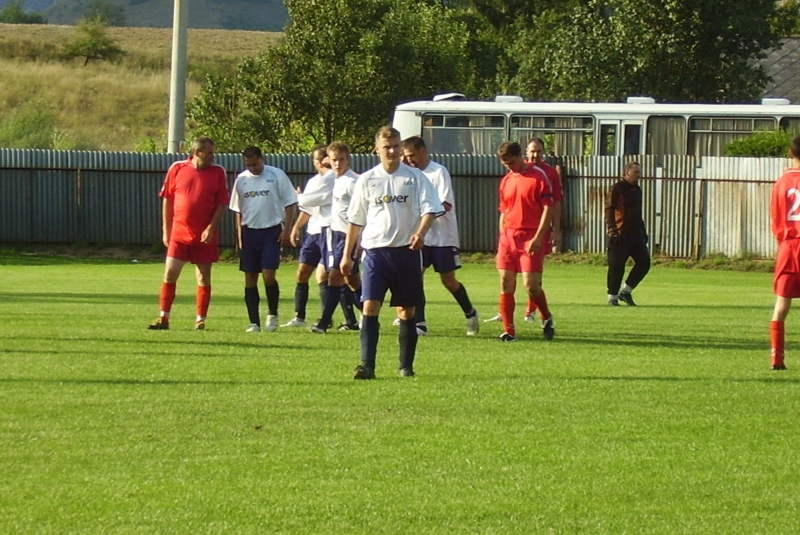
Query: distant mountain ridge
{"points": [[259, 15]]}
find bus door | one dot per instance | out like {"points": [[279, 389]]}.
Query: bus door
{"points": [[621, 137]]}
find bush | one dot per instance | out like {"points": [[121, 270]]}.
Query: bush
{"points": [[29, 126], [764, 144]]}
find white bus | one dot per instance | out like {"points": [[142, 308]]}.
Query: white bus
{"points": [[449, 124]]}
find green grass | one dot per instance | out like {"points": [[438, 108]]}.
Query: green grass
{"points": [[660, 419]]}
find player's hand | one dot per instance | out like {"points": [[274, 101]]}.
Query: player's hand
{"points": [[534, 246], [345, 266], [613, 237], [417, 242], [205, 237], [295, 238]]}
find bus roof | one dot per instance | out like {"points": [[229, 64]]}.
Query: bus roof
{"points": [[587, 108]]}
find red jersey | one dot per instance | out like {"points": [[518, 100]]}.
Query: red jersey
{"points": [[785, 206], [555, 180], [196, 194], [523, 197]]}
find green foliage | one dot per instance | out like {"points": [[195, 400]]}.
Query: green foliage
{"points": [[29, 126], [14, 13], [787, 18], [669, 49], [338, 74], [92, 42], [109, 13], [767, 143]]}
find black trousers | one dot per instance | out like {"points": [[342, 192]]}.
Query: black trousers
{"points": [[618, 253]]}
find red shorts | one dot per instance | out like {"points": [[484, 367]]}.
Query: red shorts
{"points": [[512, 252], [196, 253], [787, 269]]}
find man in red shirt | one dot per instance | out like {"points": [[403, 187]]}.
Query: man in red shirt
{"points": [[785, 214], [525, 211], [195, 194]]}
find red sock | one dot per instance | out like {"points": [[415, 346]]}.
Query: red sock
{"points": [[531, 308], [507, 313], [203, 300], [541, 303], [167, 296], [777, 337]]}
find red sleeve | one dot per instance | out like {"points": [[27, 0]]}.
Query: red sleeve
{"points": [[223, 195]]}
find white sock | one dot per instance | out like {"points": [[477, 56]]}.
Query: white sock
{"points": [[627, 289]]}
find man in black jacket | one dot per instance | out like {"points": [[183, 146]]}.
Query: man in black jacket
{"points": [[627, 237]]}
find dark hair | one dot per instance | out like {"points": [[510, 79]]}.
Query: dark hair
{"points": [[538, 140], [414, 143], [319, 152], [339, 146], [509, 148], [252, 152], [796, 146]]}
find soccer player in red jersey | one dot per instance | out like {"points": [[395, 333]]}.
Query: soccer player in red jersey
{"points": [[785, 214], [525, 211], [195, 194]]}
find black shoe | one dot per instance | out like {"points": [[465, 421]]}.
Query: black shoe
{"points": [[778, 367], [406, 372], [627, 298], [348, 327], [363, 372], [505, 337], [160, 324], [548, 329]]}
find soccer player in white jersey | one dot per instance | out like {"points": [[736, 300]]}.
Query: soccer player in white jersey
{"points": [[263, 198], [339, 158], [314, 204], [393, 207], [441, 242]]}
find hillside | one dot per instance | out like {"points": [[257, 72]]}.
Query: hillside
{"points": [[259, 15], [107, 106]]}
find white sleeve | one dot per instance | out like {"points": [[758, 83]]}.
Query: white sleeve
{"points": [[234, 203]]}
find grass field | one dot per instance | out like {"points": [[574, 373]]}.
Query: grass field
{"points": [[663, 418]]}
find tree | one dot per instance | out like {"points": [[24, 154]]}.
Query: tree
{"points": [[341, 69], [672, 50], [13, 13], [92, 42], [111, 14]]}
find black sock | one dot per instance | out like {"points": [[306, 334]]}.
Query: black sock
{"points": [[346, 301], [370, 332], [331, 302], [323, 291], [300, 300], [251, 301], [419, 314], [463, 300], [407, 340], [273, 294]]}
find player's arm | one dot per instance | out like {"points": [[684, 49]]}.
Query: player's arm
{"points": [[166, 220], [610, 215], [286, 232], [350, 242], [301, 221], [544, 224], [209, 231], [556, 225], [418, 238], [238, 231]]}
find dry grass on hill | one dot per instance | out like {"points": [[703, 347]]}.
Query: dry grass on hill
{"points": [[107, 106]]}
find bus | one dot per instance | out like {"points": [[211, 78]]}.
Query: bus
{"points": [[450, 124]]}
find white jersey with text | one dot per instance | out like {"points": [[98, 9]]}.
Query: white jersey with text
{"points": [[316, 201], [261, 199], [444, 231], [390, 206], [342, 194]]}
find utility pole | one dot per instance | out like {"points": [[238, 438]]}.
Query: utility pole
{"points": [[177, 86]]}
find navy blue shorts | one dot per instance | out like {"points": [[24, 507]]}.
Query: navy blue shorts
{"points": [[313, 249], [397, 269], [261, 249], [443, 259], [335, 250]]}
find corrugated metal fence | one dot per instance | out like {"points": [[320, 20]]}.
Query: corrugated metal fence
{"points": [[111, 198]]}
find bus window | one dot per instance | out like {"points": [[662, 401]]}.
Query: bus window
{"points": [[463, 134], [791, 124], [564, 135], [608, 139], [666, 135], [633, 137], [709, 135]]}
